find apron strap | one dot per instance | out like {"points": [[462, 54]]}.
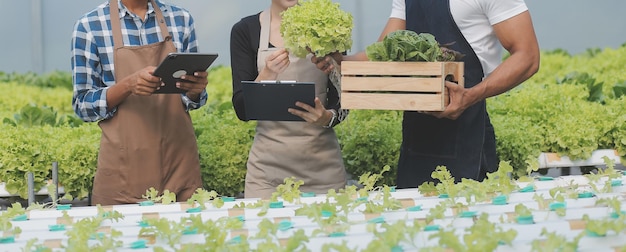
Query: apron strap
{"points": [[116, 28], [265, 29], [161, 21]]}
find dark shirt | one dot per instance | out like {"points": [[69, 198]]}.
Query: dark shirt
{"points": [[244, 47]]}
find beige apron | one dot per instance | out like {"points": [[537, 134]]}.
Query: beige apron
{"points": [[150, 142], [284, 149]]}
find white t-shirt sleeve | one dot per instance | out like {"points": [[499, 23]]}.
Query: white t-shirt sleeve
{"points": [[398, 9], [498, 10]]}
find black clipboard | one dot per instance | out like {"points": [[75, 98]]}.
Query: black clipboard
{"points": [[269, 100], [178, 64]]}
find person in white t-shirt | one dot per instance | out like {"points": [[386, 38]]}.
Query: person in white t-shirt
{"points": [[461, 137]]}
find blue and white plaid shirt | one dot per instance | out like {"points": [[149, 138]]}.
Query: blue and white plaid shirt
{"points": [[92, 52]]}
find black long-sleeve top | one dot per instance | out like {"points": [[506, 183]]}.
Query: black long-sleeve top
{"points": [[244, 46]]}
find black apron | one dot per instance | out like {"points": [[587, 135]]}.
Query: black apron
{"points": [[466, 146]]}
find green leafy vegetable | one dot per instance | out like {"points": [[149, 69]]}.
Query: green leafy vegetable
{"points": [[522, 210], [486, 236], [288, 191], [556, 242], [153, 195], [201, 196], [32, 115], [405, 45], [85, 230], [318, 25]]}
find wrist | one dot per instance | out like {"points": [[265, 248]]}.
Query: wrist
{"points": [[125, 86], [332, 120], [267, 74], [474, 95], [338, 57], [193, 96]]}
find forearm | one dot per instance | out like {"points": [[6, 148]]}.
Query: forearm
{"points": [[512, 72], [239, 74], [117, 93], [242, 70], [92, 98], [238, 105]]}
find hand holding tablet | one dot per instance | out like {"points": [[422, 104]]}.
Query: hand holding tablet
{"points": [[176, 65]]}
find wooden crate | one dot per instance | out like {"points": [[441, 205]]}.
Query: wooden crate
{"points": [[411, 86]]}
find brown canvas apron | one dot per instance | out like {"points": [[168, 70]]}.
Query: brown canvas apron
{"points": [[150, 141], [302, 150]]}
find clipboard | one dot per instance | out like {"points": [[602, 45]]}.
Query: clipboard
{"points": [[269, 100], [176, 65]]}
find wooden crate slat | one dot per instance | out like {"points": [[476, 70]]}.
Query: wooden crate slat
{"points": [[456, 70], [392, 101], [391, 68], [408, 84]]}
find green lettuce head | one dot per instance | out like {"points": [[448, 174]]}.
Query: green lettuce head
{"points": [[406, 45], [316, 24]]}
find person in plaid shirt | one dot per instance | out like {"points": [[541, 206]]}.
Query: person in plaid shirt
{"points": [[147, 139]]}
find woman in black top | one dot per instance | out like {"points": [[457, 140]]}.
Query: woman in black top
{"points": [[309, 150]]}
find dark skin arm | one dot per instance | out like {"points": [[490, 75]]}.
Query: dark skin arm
{"points": [[517, 36]]}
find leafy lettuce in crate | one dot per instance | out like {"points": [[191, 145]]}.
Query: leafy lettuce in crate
{"points": [[316, 24], [405, 45]]}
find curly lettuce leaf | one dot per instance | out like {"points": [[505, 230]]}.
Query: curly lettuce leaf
{"points": [[406, 45], [318, 25]]}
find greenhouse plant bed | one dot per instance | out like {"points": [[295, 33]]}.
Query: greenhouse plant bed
{"points": [[356, 223], [550, 160]]}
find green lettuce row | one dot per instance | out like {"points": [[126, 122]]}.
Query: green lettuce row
{"points": [[545, 114]]}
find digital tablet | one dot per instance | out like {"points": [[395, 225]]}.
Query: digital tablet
{"points": [[176, 65], [269, 100]]}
